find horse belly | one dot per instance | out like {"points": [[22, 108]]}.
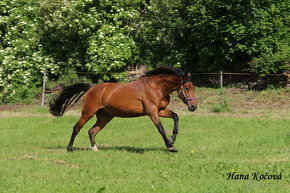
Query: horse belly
{"points": [[125, 109]]}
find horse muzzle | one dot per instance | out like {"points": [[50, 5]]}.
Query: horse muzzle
{"points": [[191, 107]]}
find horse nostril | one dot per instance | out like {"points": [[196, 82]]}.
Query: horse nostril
{"points": [[191, 108]]}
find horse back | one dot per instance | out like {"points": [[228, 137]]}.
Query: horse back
{"points": [[116, 99]]}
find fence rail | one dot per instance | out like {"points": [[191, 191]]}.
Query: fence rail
{"points": [[220, 74], [193, 73], [247, 74]]}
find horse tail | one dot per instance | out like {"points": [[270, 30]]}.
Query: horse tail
{"points": [[66, 97]]}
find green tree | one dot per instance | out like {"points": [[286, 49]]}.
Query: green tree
{"points": [[105, 37], [245, 30]]}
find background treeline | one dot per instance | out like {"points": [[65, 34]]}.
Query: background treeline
{"points": [[101, 36]]}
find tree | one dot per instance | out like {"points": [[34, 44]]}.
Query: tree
{"points": [[248, 30]]}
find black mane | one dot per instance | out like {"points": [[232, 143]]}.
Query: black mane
{"points": [[165, 70]]}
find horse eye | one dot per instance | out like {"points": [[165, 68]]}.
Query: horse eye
{"points": [[186, 88]]}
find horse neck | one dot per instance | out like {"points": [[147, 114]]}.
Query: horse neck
{"points": [[166, 83]]}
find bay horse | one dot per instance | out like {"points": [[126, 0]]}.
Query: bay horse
{"points": [[148, 95]]}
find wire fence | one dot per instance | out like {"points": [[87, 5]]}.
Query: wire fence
{"points": [[246, 81]]}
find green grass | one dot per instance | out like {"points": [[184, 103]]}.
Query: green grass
{"points": [[270, 101], [133, 157], [221, 108]]}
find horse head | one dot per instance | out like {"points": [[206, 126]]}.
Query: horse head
{"points": [[186, 92]]}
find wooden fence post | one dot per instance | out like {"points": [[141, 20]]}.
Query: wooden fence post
{"points": [[43, 88], [221, 85]]}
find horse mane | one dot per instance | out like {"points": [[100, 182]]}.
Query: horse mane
{"points": [[165, 70]]}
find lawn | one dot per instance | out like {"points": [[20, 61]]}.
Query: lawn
{"points": [[133, 157]]}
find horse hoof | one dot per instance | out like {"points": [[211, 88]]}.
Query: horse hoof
{"points": [[172, 149], [69, 149], [171, 140]]}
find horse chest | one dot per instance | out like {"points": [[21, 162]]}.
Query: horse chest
{"points": [[164, 102]]}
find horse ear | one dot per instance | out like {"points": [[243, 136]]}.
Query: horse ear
{"points": [[187, 78]]}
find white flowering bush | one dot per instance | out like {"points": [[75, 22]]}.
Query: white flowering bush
{"points": [[54, 35], [22, 59], [109, 52], [112, 47]]}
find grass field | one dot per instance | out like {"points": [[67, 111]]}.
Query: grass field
{"points": [[133, 157]]}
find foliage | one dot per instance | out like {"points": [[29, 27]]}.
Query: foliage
{"points": [[110, 51], [22, 60], [163, 36], [241, 30], [55, 35], [106, 37], [68, 77]]}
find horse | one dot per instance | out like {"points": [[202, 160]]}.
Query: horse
{"points": [[149, 95]]}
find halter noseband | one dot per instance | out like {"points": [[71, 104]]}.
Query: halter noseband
{"points": [[185, 97]]}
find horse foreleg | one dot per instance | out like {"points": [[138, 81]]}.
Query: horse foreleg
{"points": [[156, 120], [102, 120], [170, 114]]}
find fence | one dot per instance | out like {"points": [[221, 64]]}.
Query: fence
{"points": [[218, 80]]}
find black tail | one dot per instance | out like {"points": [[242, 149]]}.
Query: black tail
{"points": [[66, 97]]}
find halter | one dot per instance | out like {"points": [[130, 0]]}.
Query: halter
{"points": [[185, 97]]}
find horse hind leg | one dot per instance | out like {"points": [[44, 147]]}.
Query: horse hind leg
{"points": [[102, 120], [76, 130]]}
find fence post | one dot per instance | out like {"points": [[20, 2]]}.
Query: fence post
{"points": [[43, 88], [221, 85]]}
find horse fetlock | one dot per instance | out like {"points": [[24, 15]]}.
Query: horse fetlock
{"points": [[168, 144], [95, 148], [171, 140]]}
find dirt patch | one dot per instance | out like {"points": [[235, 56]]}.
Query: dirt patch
{"points": [[21, 114], [34, 156], [10, 107]]}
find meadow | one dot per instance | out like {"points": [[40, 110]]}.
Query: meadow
{"points": [[133, 158]]}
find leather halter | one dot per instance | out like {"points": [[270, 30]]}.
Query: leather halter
{"points": [[185, 97]]}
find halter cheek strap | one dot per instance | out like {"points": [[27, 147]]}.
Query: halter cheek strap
{"points": [[185, 97]]}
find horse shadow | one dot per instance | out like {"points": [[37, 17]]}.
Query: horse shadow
{"points": [[130, 149], [107, 147]]}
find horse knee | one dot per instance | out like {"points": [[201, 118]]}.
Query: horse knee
{"points": [[175, 117]]}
